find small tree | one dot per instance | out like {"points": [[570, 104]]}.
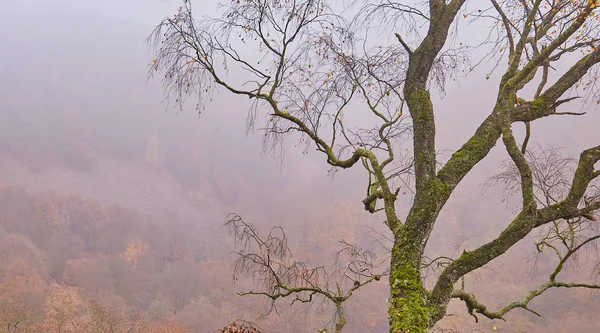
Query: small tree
{"points": [[307, 64], [270, 261]]}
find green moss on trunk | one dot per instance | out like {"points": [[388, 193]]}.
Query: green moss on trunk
{"points": [[407, 309]]}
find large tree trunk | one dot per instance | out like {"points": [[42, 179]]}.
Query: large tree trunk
{"points": [[407, 309]]}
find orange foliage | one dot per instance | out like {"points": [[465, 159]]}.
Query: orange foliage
{"points": [[64, 308]]}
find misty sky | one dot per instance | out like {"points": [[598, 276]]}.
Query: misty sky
{"points": [[467, 103], [147, 12]]}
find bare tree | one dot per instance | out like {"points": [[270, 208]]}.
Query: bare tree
{"points": [[278, 275], [307, 64]]}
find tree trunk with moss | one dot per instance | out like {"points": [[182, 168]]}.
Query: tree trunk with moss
{"points": [[408, 308]]}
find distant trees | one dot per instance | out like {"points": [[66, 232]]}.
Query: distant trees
{"points": [[68, 310], [179, 283], [307, 68], [134, 250], [15, 247], [53, 281], [22, 292], [102, 318], [92, 274], [64, 309]]}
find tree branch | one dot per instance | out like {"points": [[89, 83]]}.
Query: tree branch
{"points": [[485, 137], [406, 47], [521, 226], [529, 203], [473, 305]]}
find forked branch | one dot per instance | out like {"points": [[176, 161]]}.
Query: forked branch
{"points": [[476, 307]]}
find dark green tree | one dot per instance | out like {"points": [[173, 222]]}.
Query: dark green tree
{"points": [[306, 63]]}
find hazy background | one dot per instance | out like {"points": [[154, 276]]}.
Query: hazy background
{"points": [[80, 121]]}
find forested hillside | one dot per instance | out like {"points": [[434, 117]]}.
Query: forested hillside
{"points": [[111, 209]]}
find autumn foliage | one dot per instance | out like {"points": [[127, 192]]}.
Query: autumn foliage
{"points": [[98, 280]]}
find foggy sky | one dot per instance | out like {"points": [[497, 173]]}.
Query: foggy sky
{"points": [[145, 12]]}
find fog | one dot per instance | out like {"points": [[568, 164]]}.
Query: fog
{"points": [[94, 166]]}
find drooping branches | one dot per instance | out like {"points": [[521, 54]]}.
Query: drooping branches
{"points": [[305, 68], [278, 275], [551, 171]]}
